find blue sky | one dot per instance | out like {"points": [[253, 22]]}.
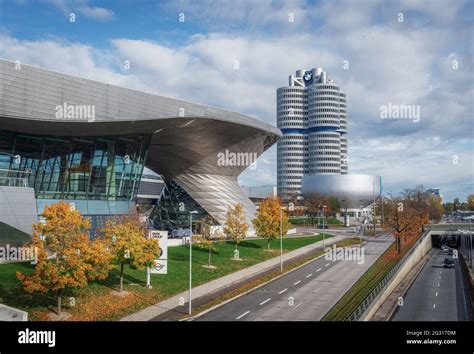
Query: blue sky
{"points": [[409, 62]]}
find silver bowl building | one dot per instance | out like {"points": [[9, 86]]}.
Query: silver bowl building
{"points": [[353, 191], [68, 138]]}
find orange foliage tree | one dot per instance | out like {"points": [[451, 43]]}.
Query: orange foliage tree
{"points": [[66, 258], [267, 221], [208, 237], [404, 219], [128, 241], [236, 226]]}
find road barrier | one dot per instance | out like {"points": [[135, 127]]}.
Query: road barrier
{"points": [[375, 294]]}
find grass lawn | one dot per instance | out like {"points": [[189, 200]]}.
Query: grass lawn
{"points": [[96, 302], [366, 283], [303, 220]]}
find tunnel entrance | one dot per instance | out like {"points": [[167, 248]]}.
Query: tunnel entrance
{"points": [[451, 240]]}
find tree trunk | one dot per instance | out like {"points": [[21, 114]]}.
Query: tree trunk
{"points": [[209, 260], [268, 244], [60, 294], [121, 277], [59, 302], [398, 243]]}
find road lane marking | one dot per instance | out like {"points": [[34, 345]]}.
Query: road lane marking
{"points": [[434, 306], [296, 306], [318, 289], [264, 302], [327, 265], [309, 275], [242, 315], [319, 269], [296, 283], [439, 277], [281, 292], [438, 285], [436, 294]]}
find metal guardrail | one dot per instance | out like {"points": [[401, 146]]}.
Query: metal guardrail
{"points": [[369, 299], [13, 182], [14, 178]]}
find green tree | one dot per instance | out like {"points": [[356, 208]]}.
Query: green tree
{"points": [[456, 204], [335, 205]]}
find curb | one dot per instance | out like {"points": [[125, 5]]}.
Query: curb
{"points": [[422, 262], [173, 301], [192, 318]]}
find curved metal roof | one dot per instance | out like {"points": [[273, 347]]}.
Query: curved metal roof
{"points": [[186, 138]]}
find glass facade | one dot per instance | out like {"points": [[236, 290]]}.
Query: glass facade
{"points": [[79, 168], [172, 212]]}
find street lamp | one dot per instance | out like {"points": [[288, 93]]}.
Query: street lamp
{"points": [[191, 259], [324, 216], [291, 207]]}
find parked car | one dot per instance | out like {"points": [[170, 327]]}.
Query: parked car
{"points": [[180, 233], [448, 262]]}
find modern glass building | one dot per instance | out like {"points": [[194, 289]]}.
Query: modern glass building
{"points": [[311, 113], [68, 138]]}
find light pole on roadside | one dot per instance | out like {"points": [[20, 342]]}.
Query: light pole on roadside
{"points": [[324, 217], [291, 207], [191, 259]]}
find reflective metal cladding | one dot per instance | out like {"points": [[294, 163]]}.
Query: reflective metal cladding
{"points": [[352, 190], [182, 141]]}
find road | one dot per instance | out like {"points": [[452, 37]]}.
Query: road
{"points": [[306, 293], [437, 294]]}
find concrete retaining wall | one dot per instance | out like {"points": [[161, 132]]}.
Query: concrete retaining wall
{"points": [[420, 251], [18, 207]]}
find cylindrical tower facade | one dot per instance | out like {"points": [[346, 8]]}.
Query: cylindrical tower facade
{"points": [[311, 113], [292, 120], [323, 127]]}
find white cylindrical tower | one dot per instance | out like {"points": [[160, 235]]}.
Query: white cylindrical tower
{"points": [[292, 119], [311, 113], [324, 142]]}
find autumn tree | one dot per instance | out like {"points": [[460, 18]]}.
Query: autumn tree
{"points": [[404, 219], [434, 208], [66, 256], [236, 226], [267, 221], [208, 237], [314, 206], [470, 202], [128, 240]]}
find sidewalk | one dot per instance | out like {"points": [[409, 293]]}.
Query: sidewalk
{"points": [[205, 289]]}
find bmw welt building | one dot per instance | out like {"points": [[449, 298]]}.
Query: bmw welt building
{"points": [[68, 138]]}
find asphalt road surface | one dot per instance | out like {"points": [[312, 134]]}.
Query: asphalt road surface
{"points": [[437, 294], [305, 294]]}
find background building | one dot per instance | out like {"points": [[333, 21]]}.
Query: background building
{"points": [[259, 193], [311, 113], [67, 138]]}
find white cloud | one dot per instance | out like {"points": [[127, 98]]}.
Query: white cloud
{"points": [[82, 7], [404, 63]]}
